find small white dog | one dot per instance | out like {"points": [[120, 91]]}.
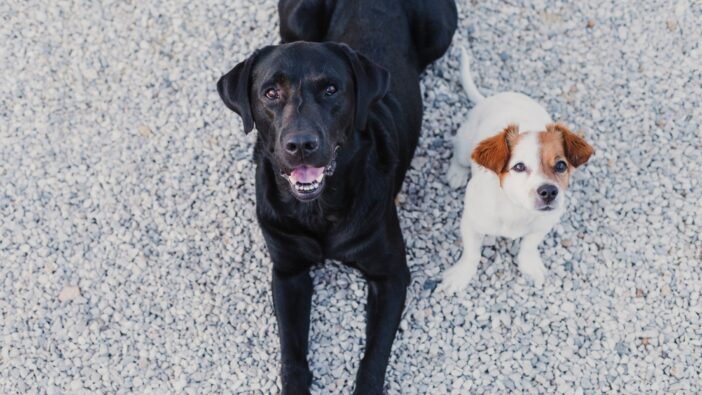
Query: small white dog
{"points": [[521, 163]]}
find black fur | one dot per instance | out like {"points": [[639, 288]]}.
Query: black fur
{"points": [[372, 52]]}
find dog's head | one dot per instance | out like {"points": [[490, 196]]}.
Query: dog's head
{"points": [[305, 99], [534, 167]]}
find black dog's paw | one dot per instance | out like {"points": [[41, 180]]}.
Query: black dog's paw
{"points": [[369, 391], [369, 385], [296, 382], [295, 389]]}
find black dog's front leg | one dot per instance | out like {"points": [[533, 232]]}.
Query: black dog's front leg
{"points": [[292, 297], [386, 299], [385, 269], [293, 256]]}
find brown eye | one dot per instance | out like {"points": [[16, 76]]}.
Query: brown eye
{"points": [[272, 94], [519, 167], [329, 90]]}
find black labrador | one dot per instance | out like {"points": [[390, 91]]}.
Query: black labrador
{"points": [[338, 111]]}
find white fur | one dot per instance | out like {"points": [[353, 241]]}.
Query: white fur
{"points": [[489, 208]]}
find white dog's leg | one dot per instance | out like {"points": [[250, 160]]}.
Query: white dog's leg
{"points": [[457, 174], [459, 275], [529, 258]]}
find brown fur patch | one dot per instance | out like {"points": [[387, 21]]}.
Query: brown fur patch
{"points": [[577, 150], [493, 153], [551, 144], [559, 143]]}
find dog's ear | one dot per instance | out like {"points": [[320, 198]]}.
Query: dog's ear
{"points": [[372, 83], [576, 149], [493, 153], [233, 88]]}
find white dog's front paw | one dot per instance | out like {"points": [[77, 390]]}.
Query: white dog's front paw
{"points": [[532, 266], [457, 277], [457, 176]]}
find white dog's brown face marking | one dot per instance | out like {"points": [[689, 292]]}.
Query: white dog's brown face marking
{"points": [[494, 153], [533, 167]]}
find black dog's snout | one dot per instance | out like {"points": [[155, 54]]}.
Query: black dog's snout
{"points": [[301, 143], [547, 192]]}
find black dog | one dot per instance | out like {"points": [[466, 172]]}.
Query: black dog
{"points": [[337, 131]]}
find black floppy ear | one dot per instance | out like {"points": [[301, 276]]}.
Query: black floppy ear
{"points": [[233, 88], [372, 83]]}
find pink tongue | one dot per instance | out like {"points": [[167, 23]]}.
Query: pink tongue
{"points": [[306, 174]]}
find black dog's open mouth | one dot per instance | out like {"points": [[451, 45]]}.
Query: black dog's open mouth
{"points": [[307, 182]]}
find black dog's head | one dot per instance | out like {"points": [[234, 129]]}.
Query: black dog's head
{"points": [[305, 99]]}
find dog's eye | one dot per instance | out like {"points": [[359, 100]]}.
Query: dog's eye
{"points": [[272, 94], [329, 90], [519, 167], [560, 167]]}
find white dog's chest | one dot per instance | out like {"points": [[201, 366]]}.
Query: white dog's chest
{"points": [[513, 228], [505, 228]]}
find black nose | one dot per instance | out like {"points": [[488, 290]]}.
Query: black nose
{"points": [[547, 192], [301, 143]]}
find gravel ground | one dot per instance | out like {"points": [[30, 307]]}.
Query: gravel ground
{"points": [[131, 261]]}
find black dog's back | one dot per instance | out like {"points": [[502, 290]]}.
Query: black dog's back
{"points": [[430, 24], [403, 36]]}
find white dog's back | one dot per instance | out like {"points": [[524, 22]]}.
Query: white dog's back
{"points": [[489, 114]]}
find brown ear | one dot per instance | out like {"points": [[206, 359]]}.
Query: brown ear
{"points": [[493, 153], [577, 150]]}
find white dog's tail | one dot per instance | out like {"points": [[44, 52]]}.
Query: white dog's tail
{"points": [[467, 79]]}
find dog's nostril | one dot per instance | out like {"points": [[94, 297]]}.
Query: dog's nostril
{"points": [[310, 146], [301, 143], [547, 192], [291, 147]]}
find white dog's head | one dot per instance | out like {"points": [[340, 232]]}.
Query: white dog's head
{"points": [[533, 167]]}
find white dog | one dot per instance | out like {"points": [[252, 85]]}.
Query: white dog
{"points": [[521, 163]]}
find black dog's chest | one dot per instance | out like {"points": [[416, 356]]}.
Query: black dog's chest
{"points": [[317, 223], [335, 234]]}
